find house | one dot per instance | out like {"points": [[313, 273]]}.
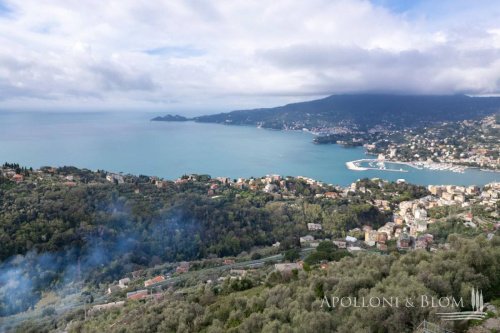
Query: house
{"points": [[420, 213], [161, 184], [351, 239], [314, 226], [331, 195], [371, 237], [102, 307], [18, 178], [354, 249], [123, 283], [288, 267], [404, 241], [420, 244], [459, 198], [277, 244], [382, 237], [270, 188], [183, 267], [448, 196], [154, 280], [306, 239], [398, 220], [115, 178], [341, 244], [224, 180], [238, 272], [139, 294]]}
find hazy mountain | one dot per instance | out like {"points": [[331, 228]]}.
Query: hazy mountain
{"points": [[363, 111], [170, 117]]}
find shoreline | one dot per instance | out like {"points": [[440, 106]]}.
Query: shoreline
{"points": [[354, 165]]}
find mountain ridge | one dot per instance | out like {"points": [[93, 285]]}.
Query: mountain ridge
{"points": [[362, 112]]}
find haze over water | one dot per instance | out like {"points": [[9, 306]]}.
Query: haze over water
{"points": [[130, 143]]}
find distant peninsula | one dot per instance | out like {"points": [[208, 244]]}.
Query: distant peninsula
{"points": [[170, 117], [358, 113], [362, 112]]}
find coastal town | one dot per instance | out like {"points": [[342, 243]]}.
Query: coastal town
{"points": [[467, 143], [453, 146]]}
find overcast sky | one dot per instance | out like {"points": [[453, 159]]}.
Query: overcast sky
{"points": [[223, 55]]}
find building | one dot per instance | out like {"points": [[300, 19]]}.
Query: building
{"points": [[448, 196], [102, 307], [340, 243], [288, 267], [404, 241], [154, 281], [228, 261], [238, 272], [382, 237], [398, 220], [371, 237], [139, 294], [306, 239], [123, 283], [388, 228], [351, 239], [420, 213], [270, 188], [424, 241], [314, 226], [331, 195], [18, 178]]}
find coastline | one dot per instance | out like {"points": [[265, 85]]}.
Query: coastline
{"points": [[354, 165]]}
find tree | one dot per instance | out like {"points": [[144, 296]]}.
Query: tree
{"points": [[292, 254]]}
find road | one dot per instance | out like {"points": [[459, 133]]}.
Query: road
{"points": [[17, 319]]}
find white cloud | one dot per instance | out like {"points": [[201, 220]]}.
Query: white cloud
{"points": [[235, 54]]}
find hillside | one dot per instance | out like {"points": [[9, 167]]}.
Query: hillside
{"points": [[200, 254], [363, 112]]}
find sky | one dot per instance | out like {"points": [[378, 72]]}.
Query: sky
{"points": [[200, 56]]}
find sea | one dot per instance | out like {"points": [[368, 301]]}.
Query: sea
{"points": [[129, 142]]}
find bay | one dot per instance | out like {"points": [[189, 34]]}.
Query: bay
{"points": [[128, 142]]}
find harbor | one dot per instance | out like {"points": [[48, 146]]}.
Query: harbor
{"points": [[375, 164], [383, 165]]}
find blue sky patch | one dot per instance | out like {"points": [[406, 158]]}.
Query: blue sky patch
{"points": [[398, 6], [4, 9]]}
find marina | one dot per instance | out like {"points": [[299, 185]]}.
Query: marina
{"points": [[397, 166]]}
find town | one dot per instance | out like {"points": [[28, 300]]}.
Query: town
{"points": [[447, 145]]}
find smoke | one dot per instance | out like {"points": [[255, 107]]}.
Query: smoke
{"points": [[102, 257], [24, 277]]}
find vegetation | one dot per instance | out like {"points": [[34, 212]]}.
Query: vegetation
{"points": [[95, 231], [64, 227], [294, 303], [362, 112]]}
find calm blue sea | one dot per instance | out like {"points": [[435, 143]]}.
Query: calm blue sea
{"points": [[129, 142]]}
